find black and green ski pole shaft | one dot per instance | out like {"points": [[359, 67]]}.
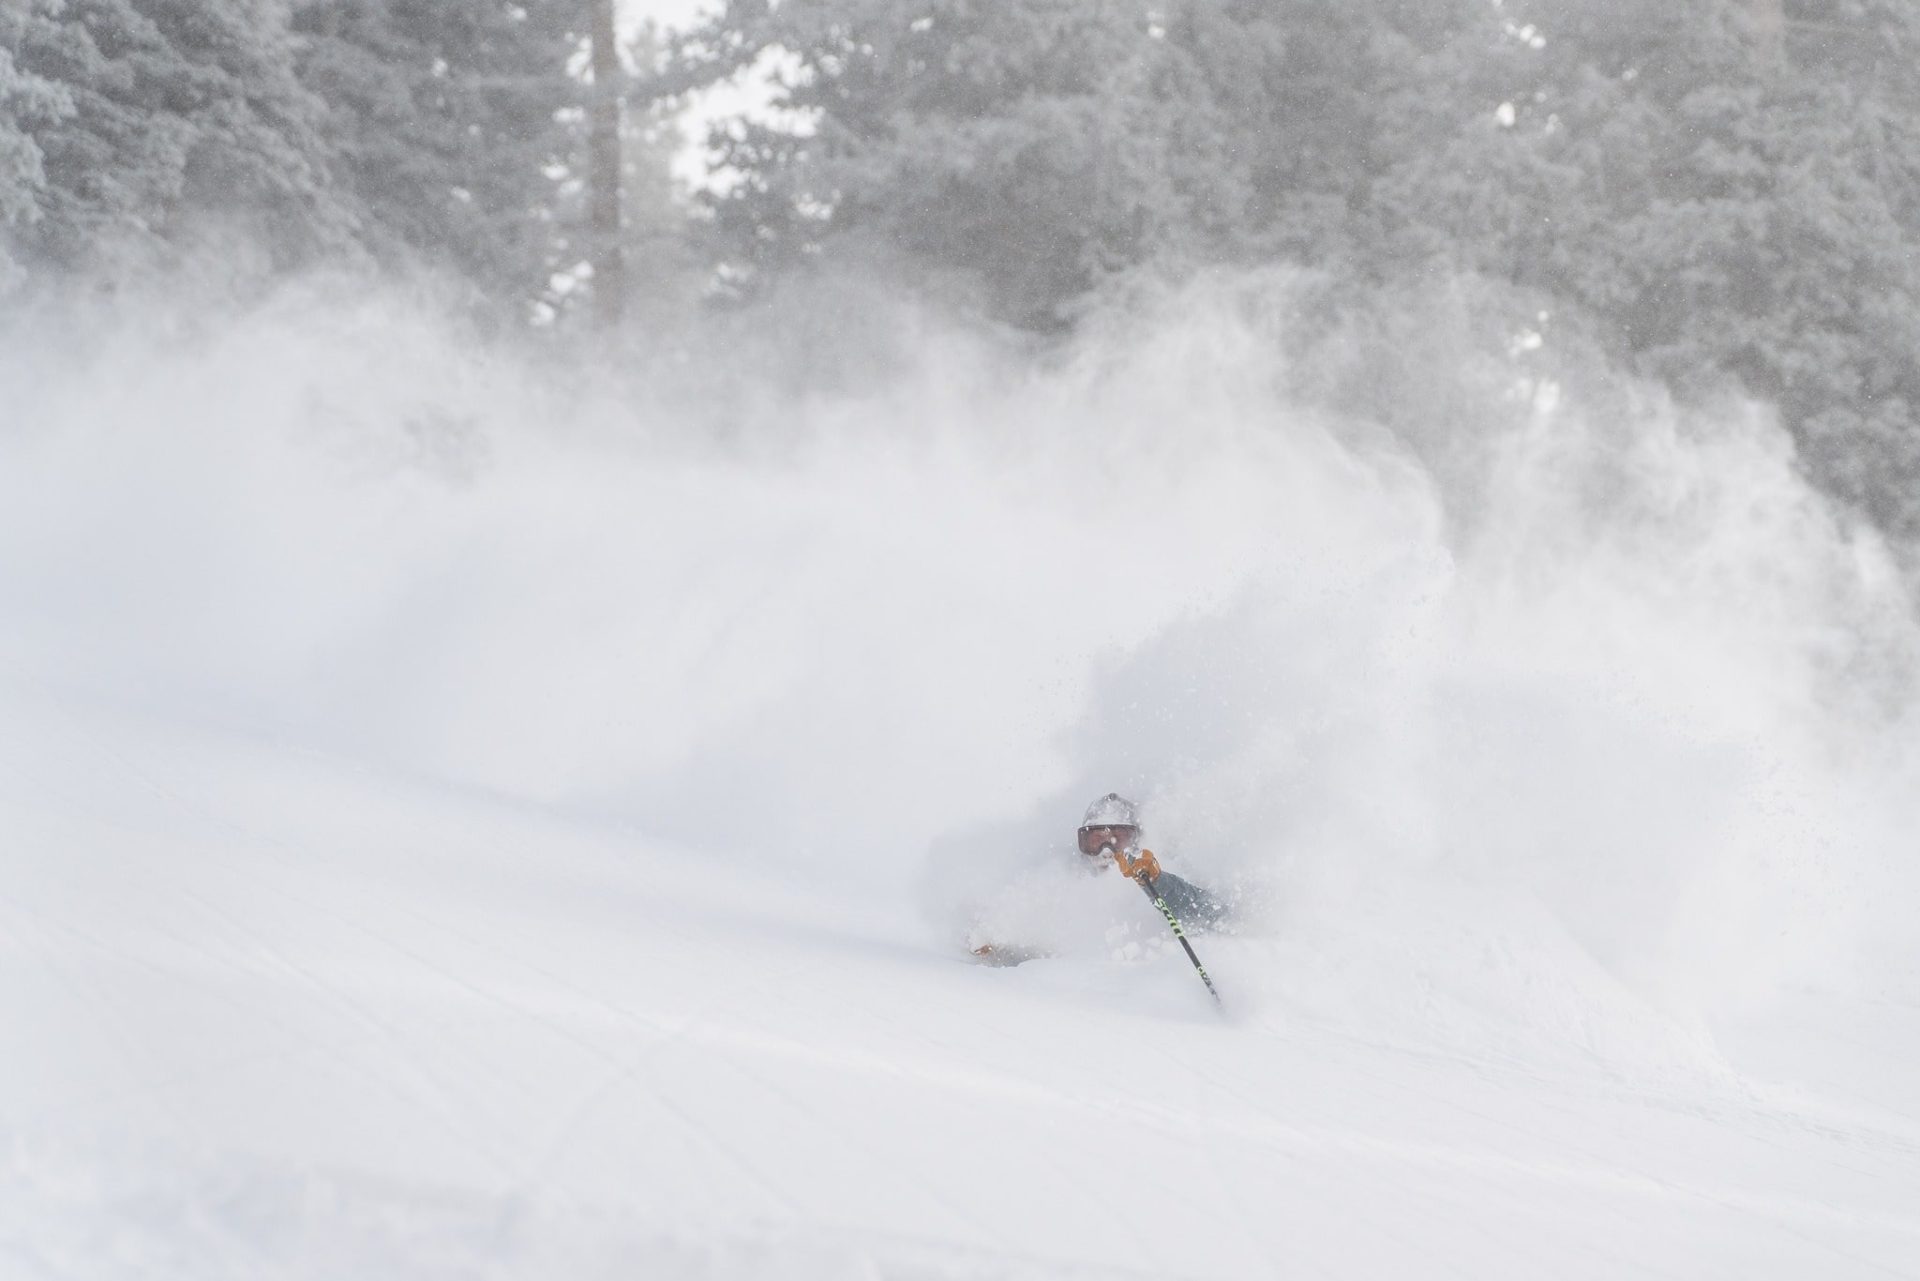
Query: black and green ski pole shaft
{"points": [[1160, 902]]}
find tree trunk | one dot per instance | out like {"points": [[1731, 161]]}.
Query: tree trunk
{"points": [[603, 172]]}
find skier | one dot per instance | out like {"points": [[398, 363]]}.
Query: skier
{"points": [[1109, 836], [1111, 832]]}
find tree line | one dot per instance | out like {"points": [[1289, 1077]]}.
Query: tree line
{"points": [[1722, 194], [136, 135]]}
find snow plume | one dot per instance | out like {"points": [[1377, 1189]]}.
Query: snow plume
{"points": [[1514, 714], [1583, 716]]}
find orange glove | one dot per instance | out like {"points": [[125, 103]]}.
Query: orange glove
{"points": [[1143, 864]]}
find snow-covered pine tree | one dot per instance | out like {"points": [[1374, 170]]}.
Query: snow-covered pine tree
{"points": [[27, 101], [452, 124], [1724, 194], [182, 127], [1027, 147], [1038, 147]]}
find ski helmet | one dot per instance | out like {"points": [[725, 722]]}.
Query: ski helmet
{"points": [[1113, 820], [1112, 810]]}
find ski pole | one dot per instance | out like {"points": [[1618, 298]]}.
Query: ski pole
{"points": [[1160, 902]]}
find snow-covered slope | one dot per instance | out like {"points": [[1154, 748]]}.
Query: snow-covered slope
{"points": [[275, 1015], [448, 830]]}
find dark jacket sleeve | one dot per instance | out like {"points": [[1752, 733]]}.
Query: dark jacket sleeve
{"points": [[1196, 908]]}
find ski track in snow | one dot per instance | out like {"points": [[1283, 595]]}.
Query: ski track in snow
{"points": [[279, 1016]]}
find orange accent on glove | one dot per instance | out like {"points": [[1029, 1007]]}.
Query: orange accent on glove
{"points": [[1143, 864]]}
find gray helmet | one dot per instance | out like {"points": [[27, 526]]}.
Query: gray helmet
{"points": [[1112, 810], [1112, 821]]}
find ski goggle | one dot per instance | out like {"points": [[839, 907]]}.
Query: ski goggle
{"points": [[1095, 839]]}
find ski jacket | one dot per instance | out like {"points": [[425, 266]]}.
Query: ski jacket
{"points": [[1196, 908]]}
